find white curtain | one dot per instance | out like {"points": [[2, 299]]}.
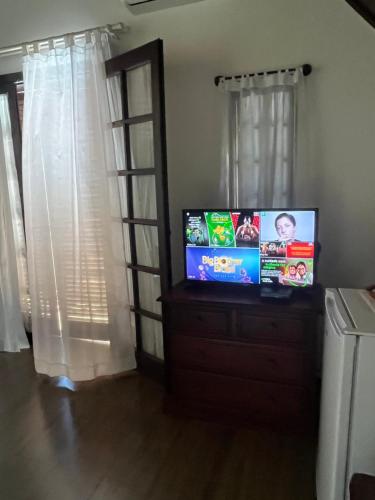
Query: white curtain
{"points": [[260, 134], [80, 305], [16, 211], [144, 199], [144, 203], [12, 332]]}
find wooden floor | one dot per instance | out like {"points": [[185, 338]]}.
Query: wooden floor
{"points": [[111, 441]]}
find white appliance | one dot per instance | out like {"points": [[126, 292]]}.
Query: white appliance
{"points": [[146, 6], [347, 415]]}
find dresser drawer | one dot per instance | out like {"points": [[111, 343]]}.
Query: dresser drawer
{"points": [[264, 329], [198, 321], [238, 360], [254, 398]]}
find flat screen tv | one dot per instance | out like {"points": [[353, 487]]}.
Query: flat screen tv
{"points": [[251, 246]]}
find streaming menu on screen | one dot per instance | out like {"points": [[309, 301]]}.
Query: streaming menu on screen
{"points": [[250, 246]]}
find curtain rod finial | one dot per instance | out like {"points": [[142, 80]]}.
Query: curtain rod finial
{"points": [[306, 69], [217, 80]]}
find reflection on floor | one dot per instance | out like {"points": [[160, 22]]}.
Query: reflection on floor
{"points": [[110, 441]]}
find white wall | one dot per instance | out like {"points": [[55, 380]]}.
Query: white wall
{"points": [[229, 36]]}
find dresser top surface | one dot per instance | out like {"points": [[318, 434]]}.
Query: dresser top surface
{"points": [[184, 292]]}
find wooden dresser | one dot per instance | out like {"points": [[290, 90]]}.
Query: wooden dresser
{"points": [[232, 357]]}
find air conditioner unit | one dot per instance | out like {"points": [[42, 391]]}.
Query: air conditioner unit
{"points": [[144, 6], [366, 8]]}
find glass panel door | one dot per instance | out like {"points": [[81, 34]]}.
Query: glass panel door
{"points": [[142, 172]]}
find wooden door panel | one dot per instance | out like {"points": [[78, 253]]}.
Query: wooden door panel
{"points": [[145, 178]]}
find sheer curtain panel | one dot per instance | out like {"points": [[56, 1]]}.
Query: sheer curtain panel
{"points": [[144, 203], [259, 146], [16, 211], [12, 332], [80, 305], [141, 146]]}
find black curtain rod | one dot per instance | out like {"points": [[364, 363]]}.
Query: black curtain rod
{"points": [[306, 70]]}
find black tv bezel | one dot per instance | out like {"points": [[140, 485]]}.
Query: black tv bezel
{"points": [[259, 285]]}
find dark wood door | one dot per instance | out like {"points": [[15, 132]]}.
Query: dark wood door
{"points": [[139, 130]]}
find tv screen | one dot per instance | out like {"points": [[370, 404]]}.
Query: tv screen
{"points": [[262, 247]]}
